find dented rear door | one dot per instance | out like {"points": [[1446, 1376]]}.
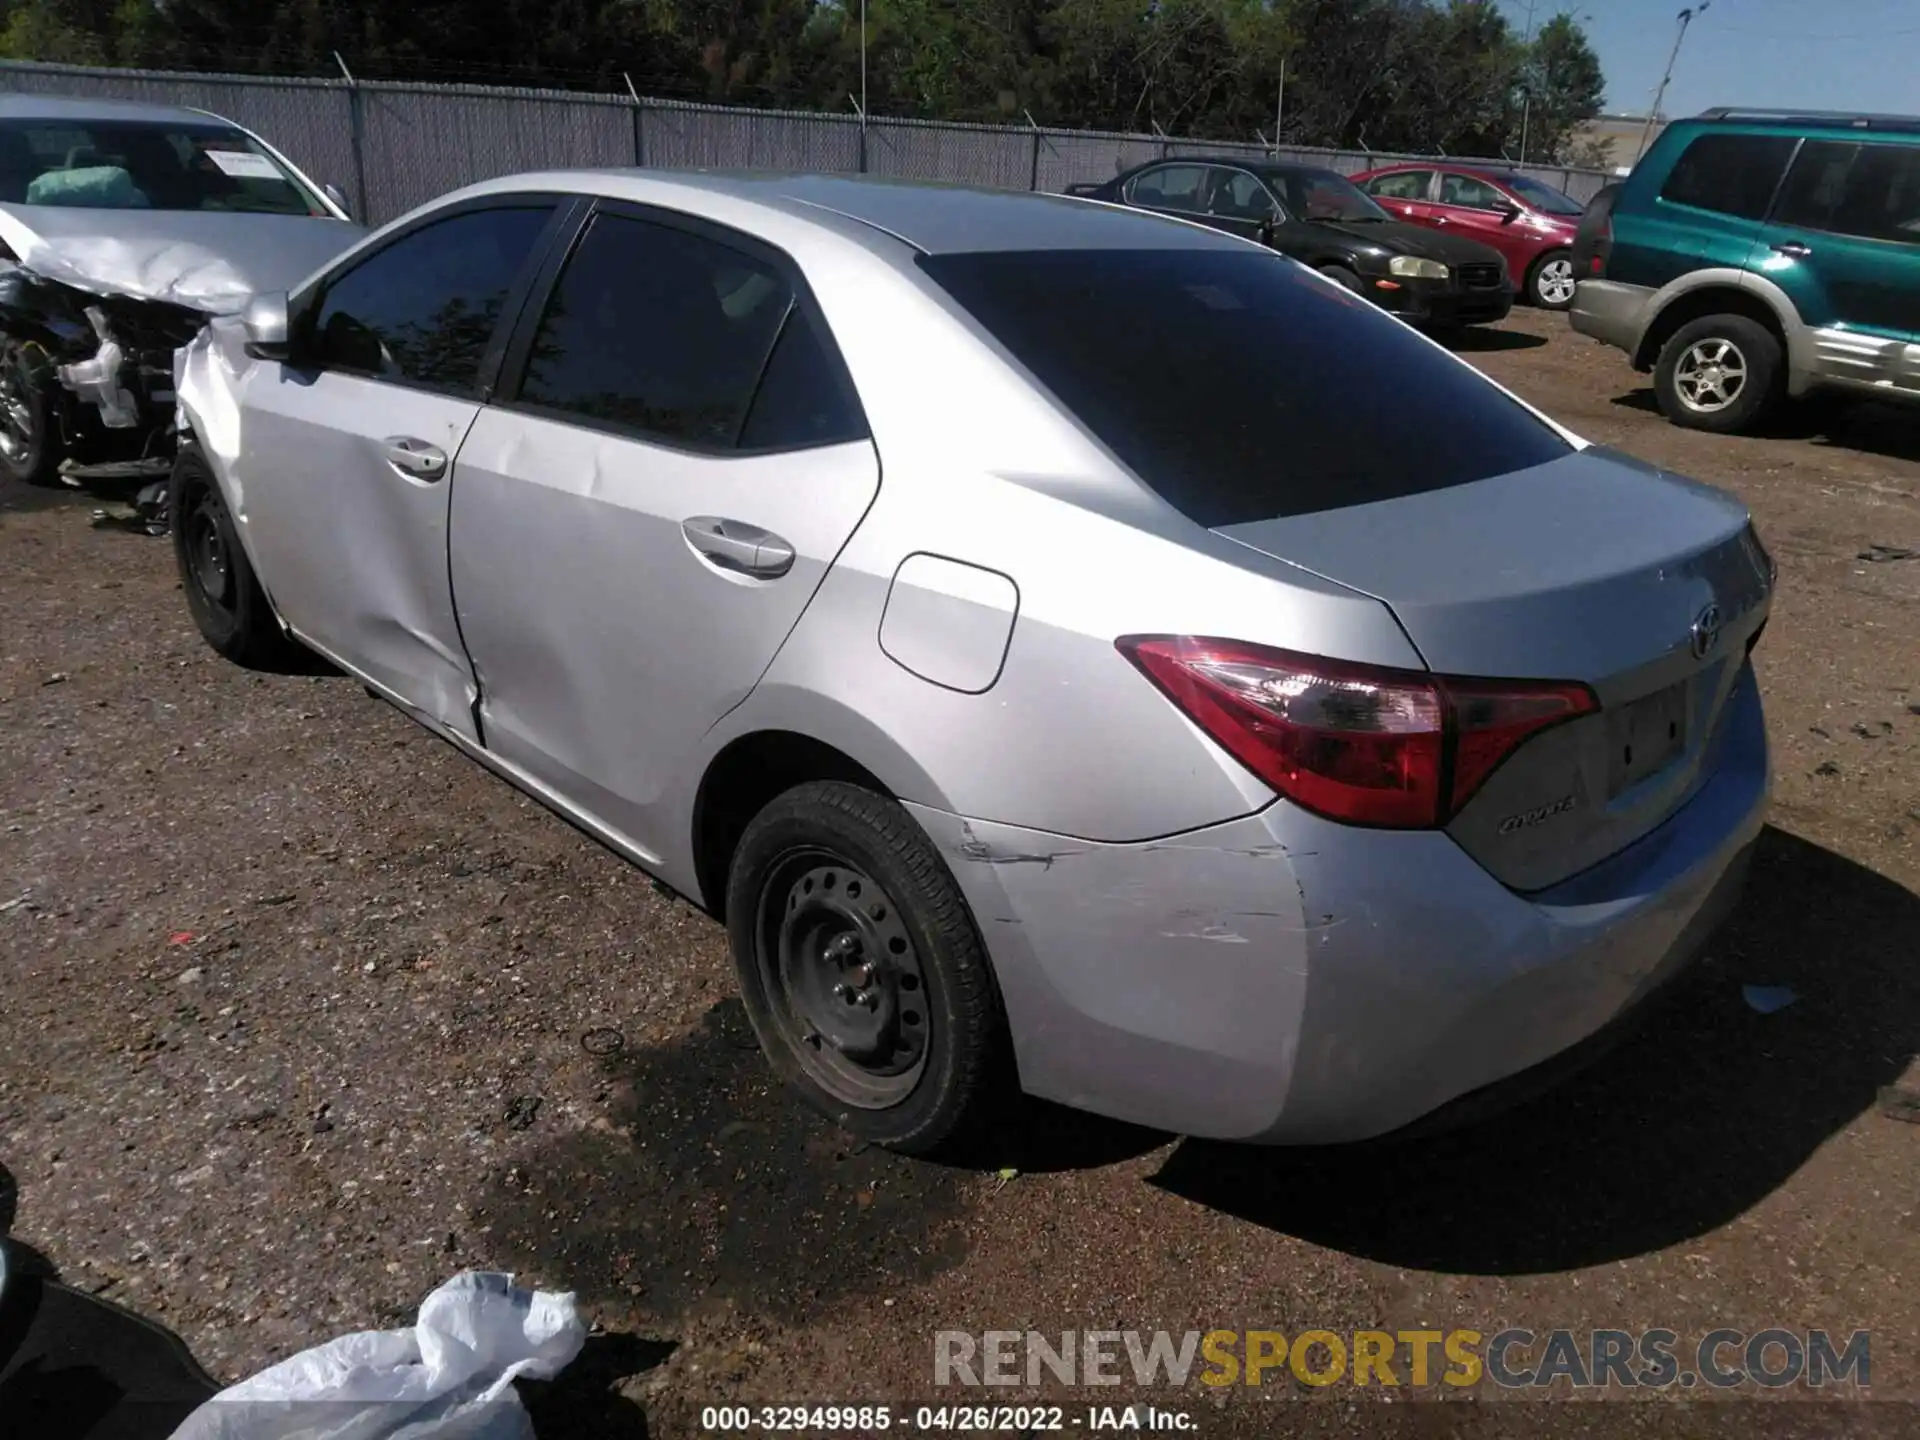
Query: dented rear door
{"points": [[676, 459]]}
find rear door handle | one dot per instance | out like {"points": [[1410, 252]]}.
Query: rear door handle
{"points": [[416, 457], [1793, 248], [737, 546]]}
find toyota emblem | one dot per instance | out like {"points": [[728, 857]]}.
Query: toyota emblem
{"points": [[1706, 632]]}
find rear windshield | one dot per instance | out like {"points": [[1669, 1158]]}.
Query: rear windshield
{"points": [[122, 165], [1240, 386]]}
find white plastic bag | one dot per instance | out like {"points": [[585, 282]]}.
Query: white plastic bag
{"points": [[448, 1378]]}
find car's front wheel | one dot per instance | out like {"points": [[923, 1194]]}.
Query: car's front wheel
{"points": [[861, 969], [1720, 373], [30, 449], [1550, 283], [223, 595], [1342, 276]]}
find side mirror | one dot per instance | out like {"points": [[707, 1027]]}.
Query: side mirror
{"points": [[338, 197], [267, 325], [1508, 213]]}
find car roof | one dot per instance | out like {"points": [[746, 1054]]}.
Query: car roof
{"points": [[18, 105], [930, 217]]}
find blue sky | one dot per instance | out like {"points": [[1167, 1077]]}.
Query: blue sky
{"points": [[1837, 55]]}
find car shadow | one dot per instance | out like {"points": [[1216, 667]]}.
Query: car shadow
{"points": [[1486, 340], [1890, 431], [703, 1179], [1703, 1112]]}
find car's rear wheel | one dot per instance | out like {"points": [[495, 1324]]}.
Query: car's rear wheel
{"points": [[862, 973], [223, 595], [1720, 373], [1550, 283], [29, 445]]}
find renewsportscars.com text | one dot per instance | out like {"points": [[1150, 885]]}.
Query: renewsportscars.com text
{"points": [[1510, 1359]]}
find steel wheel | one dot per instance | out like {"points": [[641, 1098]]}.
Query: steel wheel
{"points": [[209, 562], [1553, 283], [1710, 375], [843, 979]]}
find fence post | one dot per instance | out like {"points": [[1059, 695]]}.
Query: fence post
{"points": [[356, 137], [639, 112]]}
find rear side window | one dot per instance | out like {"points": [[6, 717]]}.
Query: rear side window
{"points": [[655, 330], [1401, 185], [1240, 386], [806, 397], [1171, 187], [1729, 174]]}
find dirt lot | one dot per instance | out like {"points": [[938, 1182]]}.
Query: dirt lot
{"points": [[303, 1012]]}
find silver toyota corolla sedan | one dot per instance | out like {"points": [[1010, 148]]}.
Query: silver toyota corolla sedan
{"points": [[1060, 642]]}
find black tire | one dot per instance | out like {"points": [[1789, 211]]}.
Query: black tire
{"points": [[223, 595], [909, 1053], [1341, 275], [1737, 372], [30, 448], [1551, 272]]}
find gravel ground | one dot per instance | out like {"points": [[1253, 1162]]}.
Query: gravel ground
{"points": [[304, 1012]]}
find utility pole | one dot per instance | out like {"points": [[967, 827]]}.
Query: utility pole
{"points": [[1686, 19], [1280, 107], [1526, 84]]}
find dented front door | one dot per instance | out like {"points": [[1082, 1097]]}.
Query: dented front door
{"points": [[351, 454]]}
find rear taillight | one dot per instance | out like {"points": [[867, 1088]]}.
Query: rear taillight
{"points": [[1402, 749]]}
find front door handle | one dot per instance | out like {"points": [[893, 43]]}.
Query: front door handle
{"points": [[1793, 248], [416, 457], [737, 546]]}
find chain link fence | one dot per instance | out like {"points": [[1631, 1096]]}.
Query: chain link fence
{"points": [[391, 146]]}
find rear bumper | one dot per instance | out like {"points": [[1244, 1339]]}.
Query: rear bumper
{"points": [[1284, 979], [1610, 312]]}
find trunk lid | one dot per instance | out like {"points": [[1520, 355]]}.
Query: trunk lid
{"points": [[1593, 568]]}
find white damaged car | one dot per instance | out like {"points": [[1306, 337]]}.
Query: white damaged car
{"points": [[122, 228]]}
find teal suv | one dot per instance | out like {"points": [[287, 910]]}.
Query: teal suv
{"points": [[1756, 255]]}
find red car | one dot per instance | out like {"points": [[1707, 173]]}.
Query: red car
{"points": [[1526, 220]]}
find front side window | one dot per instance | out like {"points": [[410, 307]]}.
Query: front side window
{"points": [[1328, 195], [121, 165], [655, 330], [1544, 198], [1170, 187], [1237, 385], [1869, 191], [1470, 193], [1729, 174], [424, 309], [1239, 196], [1401, 185]]}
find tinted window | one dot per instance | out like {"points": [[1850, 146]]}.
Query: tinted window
{"points": [[1466, 191], [805, 397], [1239, 196], [425, 308], [1241, 386], [1813, 186], [1544, 197], [656, 330], [117, 165], [1171, 187], [1733, 174], [1402, 185], [1872, 191], [1327, 195]]}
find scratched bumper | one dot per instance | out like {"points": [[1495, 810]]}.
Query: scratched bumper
{"points": [[1285, 979]]}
